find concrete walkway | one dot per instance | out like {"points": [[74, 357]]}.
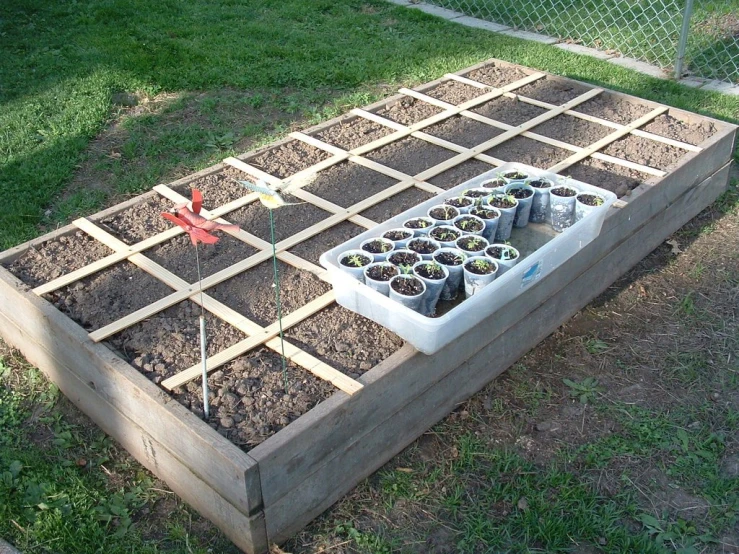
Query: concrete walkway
{"points": [[630, 63], [6, 548]]}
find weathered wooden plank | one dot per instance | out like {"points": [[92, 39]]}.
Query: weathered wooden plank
{"points": [[401, 427], [247, 532], [377, 383], [52, 342]]}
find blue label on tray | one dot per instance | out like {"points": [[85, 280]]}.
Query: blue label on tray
{"points": [[531, 274]]}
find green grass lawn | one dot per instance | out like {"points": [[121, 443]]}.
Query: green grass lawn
{"points": [[211, 79]]}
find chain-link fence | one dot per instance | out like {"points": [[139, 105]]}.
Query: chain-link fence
{"points": [[646, 30]]}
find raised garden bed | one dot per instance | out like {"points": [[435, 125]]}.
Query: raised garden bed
{"points": [[108, 306]]}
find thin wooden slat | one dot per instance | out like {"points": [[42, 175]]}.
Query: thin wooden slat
{"points": [[312, 141], [426, 98], [225, 356], [480, 148], [80, 273], [380, 168], [428, 187], [371, 116], [466, 81], [332, 208], [631, 165], [607, 140], [436, 141]]}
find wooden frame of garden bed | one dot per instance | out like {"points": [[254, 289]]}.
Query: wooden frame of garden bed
{"points": [[273, 491]]}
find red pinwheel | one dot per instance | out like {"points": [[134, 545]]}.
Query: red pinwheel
{"points": [[195, 224]]}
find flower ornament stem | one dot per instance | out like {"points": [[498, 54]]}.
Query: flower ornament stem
{"points": [[276, 279], [199, 230]]}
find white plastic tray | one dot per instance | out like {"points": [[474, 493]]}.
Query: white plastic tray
{"points": [[542, 250]]}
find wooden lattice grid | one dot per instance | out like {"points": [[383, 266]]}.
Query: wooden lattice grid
{"points": [[258, 335]]}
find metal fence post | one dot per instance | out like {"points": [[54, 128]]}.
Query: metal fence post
{"points": [[682, 45]]}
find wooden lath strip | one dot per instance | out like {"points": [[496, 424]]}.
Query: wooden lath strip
{"points": [[449, 111], [631, 165], [481, 148], [332, 208], [261, 335], [466, 81], [635, 132], [607, 140], [560, 144], [247, 344], [317, 143], [426, 98], [81, 273]]}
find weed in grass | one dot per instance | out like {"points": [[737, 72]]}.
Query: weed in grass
{"points": [[366, 542], [595, 346], [586, 391]]}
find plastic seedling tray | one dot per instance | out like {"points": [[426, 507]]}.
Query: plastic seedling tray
{"points": [[542, 250]]}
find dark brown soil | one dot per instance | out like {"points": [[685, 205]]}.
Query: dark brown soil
{"points": [[454, 92], [613, 108], [411, 286], [496, 75], [410, 155], [468, 224], [590, 199], [668, 126], [444, 234], [529, 152], [508, 110], [422, 246], [356, 260], [382, 272], [288, 158], [377, 247], [615, 178], [471, 244], [553, 90], [563, 191], [459, 201], [448, 258], [444, 214], [573, 130], [397, 204], [645, 152], [397, 235], [502, 201], [429, 270], [353, 133], [461, 173], [480, 267], [498, 251], [346, 184], [409, 111], [418, 223], [404, 258], [520, 193], [463, 131], [482, 213]]}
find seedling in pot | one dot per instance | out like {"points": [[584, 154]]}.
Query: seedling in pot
{"points": [[564, 191], [430, 270], [408, 286], [590, 199], [404, 257], [382, 271], [520, 193], [503, 200], [355, 260], [496, 183], [472, 243], [541, 183], [418, 223], [199, 229], [469, 224], [484, 213], [444, 234], [515, 175], [423, 246], [481, 266], [501, 252], [459, 201], [397, 234], [477, 193], [449, 258], [443, 212]]}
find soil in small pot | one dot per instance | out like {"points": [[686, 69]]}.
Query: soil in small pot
{"points": [[459, 201], [520, 193], [480, 267], [590, 200], [449, 258], [402, 259], [494, 183], [471, 244], [469, 224], [442, 214], [563, 192], [502, 201], [397, 235], [355, 260], [377, 247], [444, 235], [382, 272], [422, 246], [430, 270], [407, 287], [515, 175], [484, 214], [418, 223], [473, 193], [499, 251], [540, 183]]}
